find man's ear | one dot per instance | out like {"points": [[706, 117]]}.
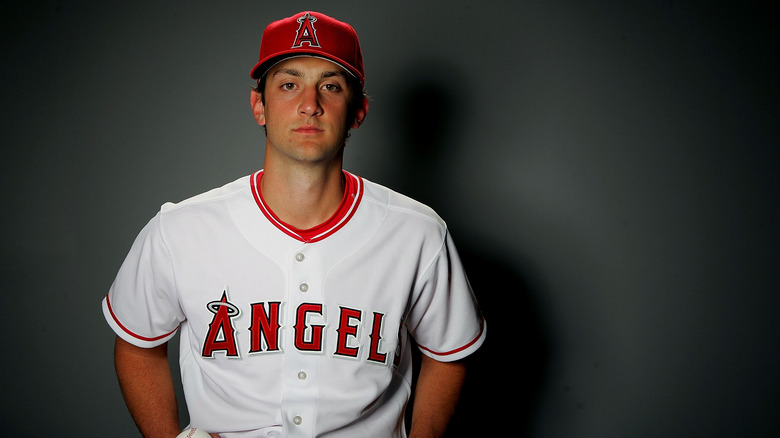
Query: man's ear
{"points": [[258, 109], [360, 114]]}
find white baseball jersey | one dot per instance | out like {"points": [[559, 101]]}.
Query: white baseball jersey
{"points": [[296, 333]]}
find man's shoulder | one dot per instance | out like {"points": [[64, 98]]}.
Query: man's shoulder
{"points": [[211, 197], [400, 205]]}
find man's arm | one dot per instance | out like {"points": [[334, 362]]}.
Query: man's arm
{"points": [[147, 385], [437, 393]]}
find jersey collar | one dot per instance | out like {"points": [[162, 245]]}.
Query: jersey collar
{"points": [[353, 193]]}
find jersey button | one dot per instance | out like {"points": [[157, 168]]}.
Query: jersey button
{"points": [[301, 375], [297, 420], [299, 257], [303, 287]]}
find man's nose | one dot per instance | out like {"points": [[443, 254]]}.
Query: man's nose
{"points": [[310, 103]]}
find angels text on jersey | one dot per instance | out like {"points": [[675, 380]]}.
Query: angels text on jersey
{"points": [[266, 329]]}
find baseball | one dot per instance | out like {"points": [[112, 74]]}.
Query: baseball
{"points": [[193, 433]]}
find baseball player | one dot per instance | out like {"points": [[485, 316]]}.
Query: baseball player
{"points": [[296, 290]]}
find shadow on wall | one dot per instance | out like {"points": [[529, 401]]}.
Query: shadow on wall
{"points": [[507, 375]]}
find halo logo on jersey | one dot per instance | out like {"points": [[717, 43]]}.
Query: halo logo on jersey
{"points": [[222, 334], [306, 32]]}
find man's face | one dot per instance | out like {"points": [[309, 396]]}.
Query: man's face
{"points": [[306, 110]]}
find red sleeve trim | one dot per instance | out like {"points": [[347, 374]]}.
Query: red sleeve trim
{"points": [[458, 350], [129, 332]]}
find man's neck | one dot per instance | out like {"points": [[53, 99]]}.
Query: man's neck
{"points": [[303, 197]]}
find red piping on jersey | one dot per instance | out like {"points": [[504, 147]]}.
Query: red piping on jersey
{"points": [[447, 353], [353, 193], [126, 330]]}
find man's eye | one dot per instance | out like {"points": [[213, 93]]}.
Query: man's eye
{"points": [[332, 87], [288, 86]]}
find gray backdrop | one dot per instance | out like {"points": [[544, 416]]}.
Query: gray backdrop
{"points": [[609, 170]]}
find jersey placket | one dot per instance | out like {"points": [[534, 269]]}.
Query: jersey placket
{"points": [[307, 317]]}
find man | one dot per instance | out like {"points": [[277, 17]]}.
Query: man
{"points": [[296, 289]]}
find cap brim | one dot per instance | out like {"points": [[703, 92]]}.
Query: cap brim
{"points": [[263, 67]]}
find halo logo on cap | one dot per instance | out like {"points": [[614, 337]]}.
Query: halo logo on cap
{"points": [[310, 33], [306, 32]]}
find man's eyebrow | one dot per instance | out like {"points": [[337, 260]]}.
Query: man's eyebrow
{"points": [[330, 74], [299, 74], [288, 71]]}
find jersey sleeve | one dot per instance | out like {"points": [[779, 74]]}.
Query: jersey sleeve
{"points": [[445, 318], [141, 305]]}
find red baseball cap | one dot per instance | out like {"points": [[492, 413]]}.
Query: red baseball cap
{"points": [[310, 34]]}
